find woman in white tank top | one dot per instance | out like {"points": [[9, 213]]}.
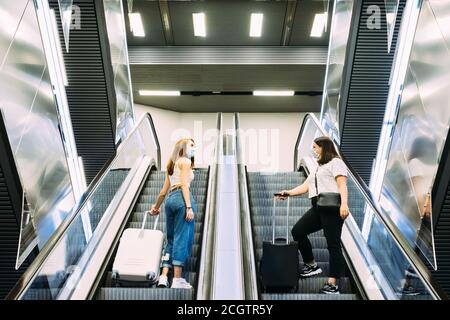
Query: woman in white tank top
{"points": [[180, 207]]}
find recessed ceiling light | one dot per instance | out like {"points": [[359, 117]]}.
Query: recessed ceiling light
{"points": [[273, 93], [256, 24], [199, 24], [318, 27], [159, 93], [136, 24]]}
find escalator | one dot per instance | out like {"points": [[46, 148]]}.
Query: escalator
{"points": [[380, 264], [76, 263], [262, 186], [148, 195]]}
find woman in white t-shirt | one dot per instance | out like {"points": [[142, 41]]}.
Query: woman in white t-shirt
{"points": [[331, 178], [180, 207]]}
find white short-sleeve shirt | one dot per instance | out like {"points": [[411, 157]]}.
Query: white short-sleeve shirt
{"points": [[326, 177]]}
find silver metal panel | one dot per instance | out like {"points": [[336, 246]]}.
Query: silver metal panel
{"points": [[421, 129], [10, 15], [27, 100], [441, 11], [119, 57], [228, 55], [340, 29]]}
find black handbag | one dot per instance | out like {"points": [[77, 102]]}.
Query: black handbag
{"points": [[327, 199]]}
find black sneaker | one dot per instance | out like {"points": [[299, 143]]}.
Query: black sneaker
{"points": [[408, 291], [310, 270], [330, 289], [411, 273]]}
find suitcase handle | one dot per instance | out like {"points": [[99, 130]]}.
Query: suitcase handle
{"points": [[145, 220], [273, 222]]}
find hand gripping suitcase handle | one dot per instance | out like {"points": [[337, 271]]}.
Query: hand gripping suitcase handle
{"points": [[145, 220], [287, 221]]}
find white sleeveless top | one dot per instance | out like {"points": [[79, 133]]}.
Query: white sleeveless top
{"points": [[175, 178]]}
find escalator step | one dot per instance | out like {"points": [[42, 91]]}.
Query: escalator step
{"points": [[316, 242], [294, 212], [320, 255], [145, 294], [301, 296], [267, 202], [139, 215], [149, 225], [314, 284], [265, 232], [191, 277]]}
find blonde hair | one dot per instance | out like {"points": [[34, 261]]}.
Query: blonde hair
{"points": [[179, 150]]}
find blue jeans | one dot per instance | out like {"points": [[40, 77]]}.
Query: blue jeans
{"points": [[180, 233]]}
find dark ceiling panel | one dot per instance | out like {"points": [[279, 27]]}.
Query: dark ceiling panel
{"points": [[151, 19], [228, 77], [303, 22], [227, 22], [233, 103]]}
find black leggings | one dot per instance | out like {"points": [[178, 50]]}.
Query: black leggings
{"points": [[330, 221]]}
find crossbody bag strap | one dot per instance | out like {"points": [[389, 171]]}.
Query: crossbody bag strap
{"points": [[315, 178]]}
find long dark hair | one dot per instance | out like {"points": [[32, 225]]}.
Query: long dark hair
{"points": [[328, 150]]}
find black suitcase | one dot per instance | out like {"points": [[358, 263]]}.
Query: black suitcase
{"points": [[280, 261]]}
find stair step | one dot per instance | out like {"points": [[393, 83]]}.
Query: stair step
{"points": [[191, 277], [149, 225], [302, 296], [314, 284], [316, 242], [145, 294], [320, 255]]}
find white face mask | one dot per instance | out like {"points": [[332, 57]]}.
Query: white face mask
{"points": [[190, 152]]}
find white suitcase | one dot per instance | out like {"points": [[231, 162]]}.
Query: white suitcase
{"points": [[138, 257]]}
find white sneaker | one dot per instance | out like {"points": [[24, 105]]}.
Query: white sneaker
{"points": [[163, 282], [180, 283]]}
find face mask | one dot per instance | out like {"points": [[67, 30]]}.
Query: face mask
{"points": [[190, 152]]}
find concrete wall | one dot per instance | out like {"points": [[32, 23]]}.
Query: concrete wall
{"points": [[171, 126], [268, 138]]}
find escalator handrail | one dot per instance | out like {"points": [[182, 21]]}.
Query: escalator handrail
{"points": [[251, 286], [414, 260], [40, 259], [206, 254]]}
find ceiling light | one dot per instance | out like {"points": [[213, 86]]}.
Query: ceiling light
{"points": [[158, 93], [319, 25], [199, 24], [136, 25], [256, 24], [274, 93]]}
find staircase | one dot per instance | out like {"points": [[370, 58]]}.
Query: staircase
{"points": [[261, 187], [147, 197]]}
